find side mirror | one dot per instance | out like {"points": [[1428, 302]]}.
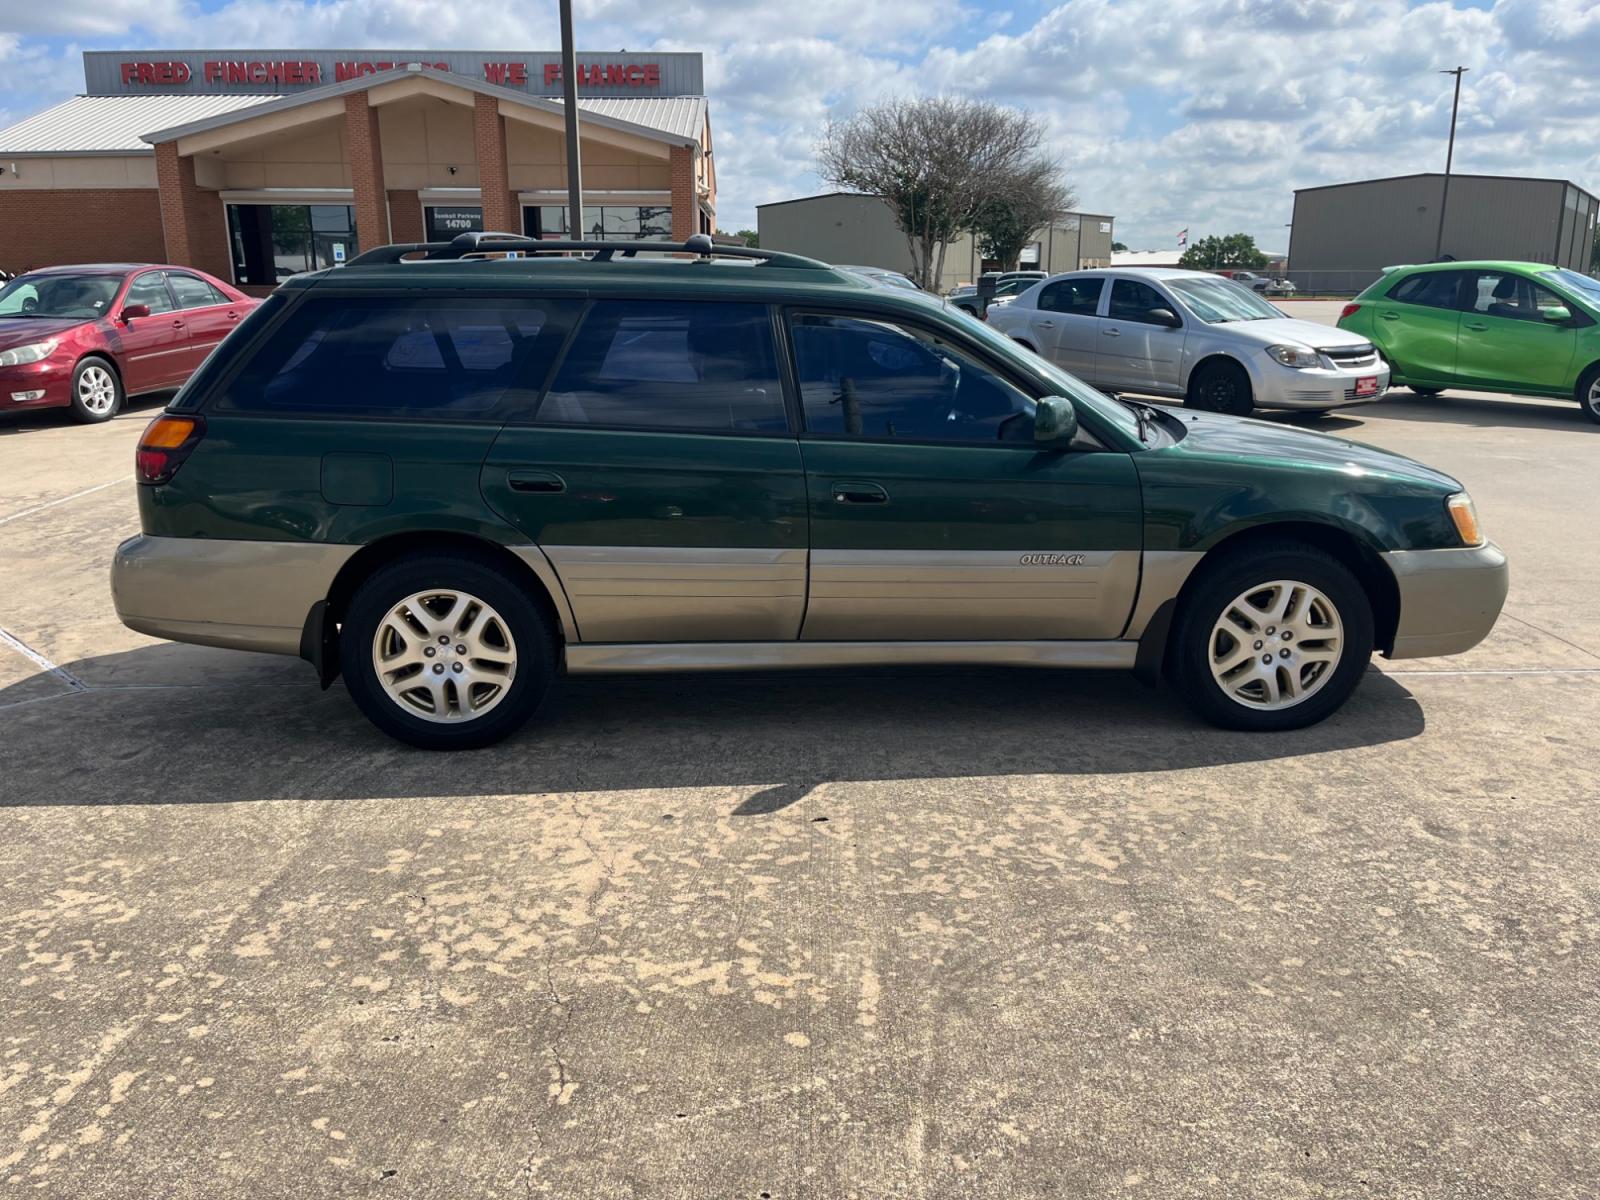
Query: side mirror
{"points": [[1055, 421], [130, 311], [1164, 316], [1556, 314]]}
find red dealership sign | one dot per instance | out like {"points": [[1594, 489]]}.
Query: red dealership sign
{"points": [[304, 72]]}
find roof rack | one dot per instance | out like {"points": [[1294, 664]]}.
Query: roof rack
{"points": [[482, 245]]}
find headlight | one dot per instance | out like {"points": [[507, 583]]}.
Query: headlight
{"points": [[1466, 519], [1295, 356], [31, 353]]}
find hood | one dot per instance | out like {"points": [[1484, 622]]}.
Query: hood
{"points": [[20, 331], [1269, 443], [1277, 330]]}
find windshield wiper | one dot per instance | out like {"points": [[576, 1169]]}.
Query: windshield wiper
{"points": [[1144, 413]]}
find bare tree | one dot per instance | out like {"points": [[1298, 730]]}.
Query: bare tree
{"points": [[934, 161], [1017, 207]]}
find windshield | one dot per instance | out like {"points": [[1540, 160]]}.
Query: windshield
{"points": [[1586, 285], [1217, 301], [82, 296]]}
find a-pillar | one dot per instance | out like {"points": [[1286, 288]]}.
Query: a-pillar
{"points": [[366, 171], [494, 173]]}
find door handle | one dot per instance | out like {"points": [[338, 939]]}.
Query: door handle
{"points": [[1388, 316], [232, 316], [1046, 324], [1478, 325], [855, 491], [1111, 332], [535, 481], [177, 324]]}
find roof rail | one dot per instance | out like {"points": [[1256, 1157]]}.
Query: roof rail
{"points": [[480, 245]]}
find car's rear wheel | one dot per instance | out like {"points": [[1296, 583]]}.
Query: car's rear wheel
{"points": [[1276, 637], [1588, 393], [96, 391], [446, 652], [1427, 393], [1222, 387]]}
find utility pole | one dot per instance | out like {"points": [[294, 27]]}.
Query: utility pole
{"points": [[1449, 158], [569, 87]]}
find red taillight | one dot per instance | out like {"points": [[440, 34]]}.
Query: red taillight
{"points": [[166, 442], [1350, 310]]}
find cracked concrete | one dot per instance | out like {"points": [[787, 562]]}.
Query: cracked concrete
{"points": [[892, 933]]}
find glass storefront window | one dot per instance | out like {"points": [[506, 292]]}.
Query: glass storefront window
{"points": [[271, 242], [609, 222]]}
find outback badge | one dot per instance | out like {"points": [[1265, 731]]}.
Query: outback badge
{"points": [[1053, 560]]}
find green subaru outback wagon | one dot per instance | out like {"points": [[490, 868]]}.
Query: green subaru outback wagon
{"points": [[450, 473]]}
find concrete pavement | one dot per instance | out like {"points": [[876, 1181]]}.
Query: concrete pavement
{"points": [[923, 934]]}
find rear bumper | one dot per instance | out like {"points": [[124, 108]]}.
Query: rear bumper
{"points": [[238, 594], [1449, 599]]}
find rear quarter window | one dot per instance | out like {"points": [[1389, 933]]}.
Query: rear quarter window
{"points": [[447, 359]]}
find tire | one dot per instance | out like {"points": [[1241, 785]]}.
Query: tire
{"points": [[509, 660], [1242, 581], [1587, 393], [1426, 393], [96, 391], [1222, 387]]}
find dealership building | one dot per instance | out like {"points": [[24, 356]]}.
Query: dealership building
{"points": [[847, 227], [254, 165], [1359, 228]]}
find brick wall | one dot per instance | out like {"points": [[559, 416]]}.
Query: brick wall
{"points": [[366, 171], [191, 217], [405, 217], [685, 203], [500, 213], [53, 226]]}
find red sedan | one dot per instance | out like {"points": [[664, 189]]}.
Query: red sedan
{"points": [[88, 337]]}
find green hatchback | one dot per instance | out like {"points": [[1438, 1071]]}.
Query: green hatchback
{"points": [[449, 473], [1491, 326]]}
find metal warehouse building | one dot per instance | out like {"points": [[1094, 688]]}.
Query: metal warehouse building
{"points": [[847, 227], [256, 164], [1359, 228]]}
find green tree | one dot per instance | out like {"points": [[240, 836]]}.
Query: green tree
{"points": [[751, 238], [1016, 208], [1235, 251], [1118, 246]]}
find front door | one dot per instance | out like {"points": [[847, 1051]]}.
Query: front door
{"points": [[152, 351], [1135, 351], [1416, 326], [661, 478], [1064, 324], [933, 517], [1506, 337], [209, 315]]}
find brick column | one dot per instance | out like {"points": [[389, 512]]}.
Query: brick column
{"points": [[191, 219], [500, 214], [685, 197], [405, 217], [366, 171]]}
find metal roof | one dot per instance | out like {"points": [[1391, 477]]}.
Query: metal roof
{"points": [[682, 116], [112, 124]]}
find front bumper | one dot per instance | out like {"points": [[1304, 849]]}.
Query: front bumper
{"points": [[238, 594], [1449, 599], [1317, 388], [35, 385]]}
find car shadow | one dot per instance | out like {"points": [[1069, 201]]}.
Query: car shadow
{"points": [[265, 732], [140, 408]]}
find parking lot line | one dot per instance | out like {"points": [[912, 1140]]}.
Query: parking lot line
{"points": [[28, 512], [32, 655]]}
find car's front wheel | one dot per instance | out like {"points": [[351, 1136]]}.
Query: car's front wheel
{"points": [[1273, 637], [1222, 387], [446, 652], [96, 391], [1588, 393]]}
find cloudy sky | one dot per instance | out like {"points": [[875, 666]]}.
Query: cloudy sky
{"points": [[1164, 113]]}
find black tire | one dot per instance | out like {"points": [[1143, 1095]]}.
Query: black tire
{"points": [[530, 633], [1426, 393], [1587, 393], [1232, 576], [90, 378], [1222, 387]]}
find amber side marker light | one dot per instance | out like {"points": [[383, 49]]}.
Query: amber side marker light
{"points": [[166, 443], [1465, 517]]}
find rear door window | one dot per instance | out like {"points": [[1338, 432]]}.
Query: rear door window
{"points": [[1430, 289], [192, 291], [453, 359], [694, 366]]}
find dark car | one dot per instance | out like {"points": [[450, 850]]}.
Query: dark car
{"points": [[88, 337], [452, 480]]}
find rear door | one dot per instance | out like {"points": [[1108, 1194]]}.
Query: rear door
{"points": [[150, 350], [933, 515], [209, 315], [1505, 338], [1065, 325], [1416, 325], [1133, 352], [661, 478]]}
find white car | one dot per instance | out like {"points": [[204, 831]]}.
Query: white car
{"points": [[1193, 336]]}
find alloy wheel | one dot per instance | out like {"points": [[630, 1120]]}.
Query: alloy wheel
{"points": [[444, 656], [1276, 645], [97, 390], [1592, 400]]}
